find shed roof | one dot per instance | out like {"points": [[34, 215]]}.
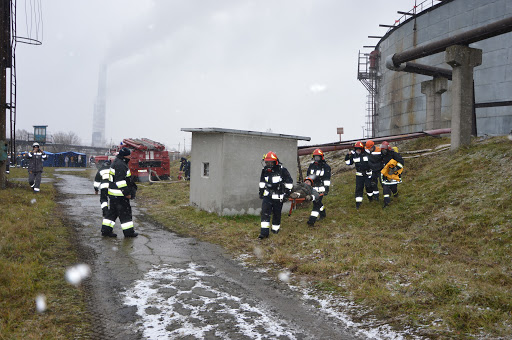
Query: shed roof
{"points": [[245, 132]]}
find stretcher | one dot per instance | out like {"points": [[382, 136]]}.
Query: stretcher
{"points": [[295, 201]]}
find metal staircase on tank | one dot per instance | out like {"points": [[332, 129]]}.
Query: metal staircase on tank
{"points": [[12, 105], [368, 76]]}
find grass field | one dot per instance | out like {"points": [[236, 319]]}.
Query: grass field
{"points": [[35, 248], [438, 259]]}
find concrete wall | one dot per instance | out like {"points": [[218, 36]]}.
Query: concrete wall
{"points": [[235, 168], [400, 103]]}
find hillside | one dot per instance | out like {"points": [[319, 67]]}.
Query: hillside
{"points": [[437, 260]]}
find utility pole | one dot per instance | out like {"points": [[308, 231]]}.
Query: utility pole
{"points": [[5, 62]]}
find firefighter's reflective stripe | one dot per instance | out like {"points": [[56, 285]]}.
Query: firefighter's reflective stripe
{"points": [[276, 227], [262, 185], [265, 225], [327, 183], [115, 192], [386, 195], [276, 179], [107, 222], [317, 172], [319, 189], [127, 225], [97, 185], [104, 204], [370, 194], [121, 184], [322, 208], [347, 161], [376, 192], [356, 160], [104, 185], [128, 174], [288, 186], [277, 197], [399, 165], [315, 213], [359, 173], [359, 199], [266, 192]]}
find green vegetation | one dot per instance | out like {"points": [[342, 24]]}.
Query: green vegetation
{"points": [[35, 249], [438, 259]]}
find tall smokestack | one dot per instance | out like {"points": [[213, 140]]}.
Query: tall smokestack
{"points": [[98, 121]]}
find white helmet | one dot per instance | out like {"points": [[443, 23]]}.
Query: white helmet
{"points": [[35, 144]]}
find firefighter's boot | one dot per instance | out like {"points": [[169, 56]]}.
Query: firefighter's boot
{"points": [[263, 233], [370, 198], [130, 233], [107, 231], [311, 221], [323, 215], [376, 197], [358, 204]]}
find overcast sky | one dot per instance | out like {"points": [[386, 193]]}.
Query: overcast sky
{"points": [[285, 65]]}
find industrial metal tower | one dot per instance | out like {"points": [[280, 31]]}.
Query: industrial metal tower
{"points": [[98, 122]]}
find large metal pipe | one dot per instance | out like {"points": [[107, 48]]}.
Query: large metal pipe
{"points": [[306, 150], [427, 70], [464, 38]]}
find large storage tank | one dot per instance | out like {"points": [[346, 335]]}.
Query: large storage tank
{"points": [[400, 105]]}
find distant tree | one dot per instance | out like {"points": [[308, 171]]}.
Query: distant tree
{"points": [[60, 139], [22, 134]]}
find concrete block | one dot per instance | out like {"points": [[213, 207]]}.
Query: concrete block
{"points": [[485, 126], [504, 124], [439, 30], [485, 93], [503, 111]]}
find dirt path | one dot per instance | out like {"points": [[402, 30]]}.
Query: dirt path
{"points": [[162, 286]]}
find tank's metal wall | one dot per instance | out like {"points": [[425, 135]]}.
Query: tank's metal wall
{"points": [[400, 103], [235, 169]]}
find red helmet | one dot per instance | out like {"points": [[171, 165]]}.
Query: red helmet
{"points": [[369, 144], [318, 152], [271, 157], [359, 145], [385, 145]]}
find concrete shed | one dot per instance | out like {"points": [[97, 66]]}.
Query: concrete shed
{"points": [[226, 167]]}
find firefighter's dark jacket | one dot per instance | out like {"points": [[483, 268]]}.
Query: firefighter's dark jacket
{"points": [[391, 154], [375, 159], [321, 174], [35, 161], [120, 180], [275, 182], [360, 161], [101, 178]]}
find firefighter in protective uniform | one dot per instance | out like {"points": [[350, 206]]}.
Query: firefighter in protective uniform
{"points": [[275, 184], [391, 174], [320, 172], [359, 158], [101, 185], [375, 163], [35, 158], [121, 189]]}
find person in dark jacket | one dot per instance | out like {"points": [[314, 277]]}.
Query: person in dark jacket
{"points": [[391, 174], [185, 167], [363, 172], [375, 163], [320, 172], [275, 184], [35, 159], [307, 191], [101, 185], [121, 189]]}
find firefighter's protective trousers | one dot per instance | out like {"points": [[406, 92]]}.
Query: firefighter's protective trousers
{"points": [[363, 181], [270, 207], [34, 179], [387, 190], [119, 208]]}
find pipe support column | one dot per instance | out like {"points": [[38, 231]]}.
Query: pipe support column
{"points": [[433, 89], [462, 59]]}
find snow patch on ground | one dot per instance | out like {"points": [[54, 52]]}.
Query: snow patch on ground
{"points": [[176, 302]]}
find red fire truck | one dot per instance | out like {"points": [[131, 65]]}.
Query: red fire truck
{"points": [[148, 158]]}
